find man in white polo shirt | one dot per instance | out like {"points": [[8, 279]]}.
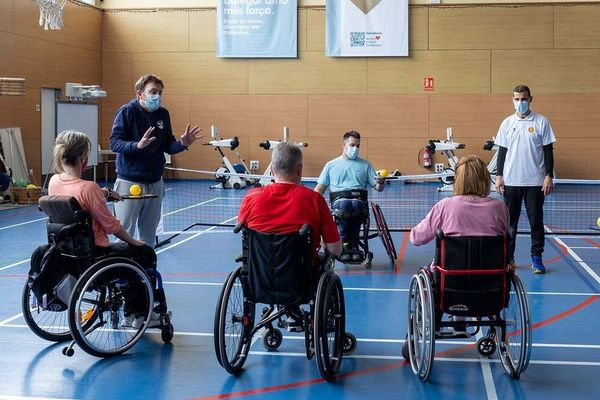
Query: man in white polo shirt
{"points": [[525, 170]]}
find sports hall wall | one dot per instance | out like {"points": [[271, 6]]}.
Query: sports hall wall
{"points": [[476, 54], [45, 59]]}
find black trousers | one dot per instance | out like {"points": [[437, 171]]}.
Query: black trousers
{"points": [[534, 206]]}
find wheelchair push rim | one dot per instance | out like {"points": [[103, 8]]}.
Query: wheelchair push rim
{"points": [[384, 232], [515, 342], [234, 320], [329, 325], [97, 307], [421, 325]]}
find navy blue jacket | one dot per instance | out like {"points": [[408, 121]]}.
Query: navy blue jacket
{"points": [[130, 124]]}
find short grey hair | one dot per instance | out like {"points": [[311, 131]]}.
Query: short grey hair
{"points": [[285, 159]]}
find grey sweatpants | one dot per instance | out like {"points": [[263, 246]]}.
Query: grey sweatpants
{"points": [[141, 215]]}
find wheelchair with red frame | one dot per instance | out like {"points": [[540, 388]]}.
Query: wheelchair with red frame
{"points": [[470, 277], [73, 293], [356, 250], [280, 272]]}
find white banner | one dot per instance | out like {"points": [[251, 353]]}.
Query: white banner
{"points": [[366, 28], [257, 28]]}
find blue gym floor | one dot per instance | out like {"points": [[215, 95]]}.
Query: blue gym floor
{"points": [[565, 360]]}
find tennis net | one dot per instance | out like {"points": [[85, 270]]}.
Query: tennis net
{"points": [[194, 201]]}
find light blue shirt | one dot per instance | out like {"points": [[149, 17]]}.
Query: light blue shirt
{"points": [[345, 174]]}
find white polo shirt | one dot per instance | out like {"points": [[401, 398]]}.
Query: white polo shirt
{"points": [[524, 138]]}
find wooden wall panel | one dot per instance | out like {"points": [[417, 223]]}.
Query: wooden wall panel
{"points": [[23, 57], [82, 25], [110, 105], [577, 117], [469, 116], [577, 27], [464, 71], [146, 32], [72, 64], [6, 15], [175, 69], [418, 28], [549, 71], [311, 73], [382, 116], [117, 73], [261, 116], [504, 27], [571, 163], [212, 75], [302, 30], [203, 30], [315, 24]]}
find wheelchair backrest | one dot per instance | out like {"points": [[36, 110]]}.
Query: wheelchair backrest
{"points": [[279, 266], [472, 274], [69, 227]]}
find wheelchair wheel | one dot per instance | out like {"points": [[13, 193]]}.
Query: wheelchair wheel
{"points": [[98, 304], [349, 343], [384, 232], [421, 325], [486, 346], [515, 341], [272, 339], [329, 324], [47, 324], [234, 321]]}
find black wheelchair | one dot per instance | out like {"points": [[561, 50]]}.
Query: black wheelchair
{"points": [[469, 277], [361, 253], [104, 303], [278, 271]]}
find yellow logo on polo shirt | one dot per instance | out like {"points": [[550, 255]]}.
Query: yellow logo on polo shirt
{"points": [[531, 129]]}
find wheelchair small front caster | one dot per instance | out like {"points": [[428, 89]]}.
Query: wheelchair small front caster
{"points": [[349, 343], [68, 351], [272, 339], [166, 333], [486, 346]]}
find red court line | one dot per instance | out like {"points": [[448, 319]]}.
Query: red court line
{"points": [[593, 243], [400, 259], [269, 389]]}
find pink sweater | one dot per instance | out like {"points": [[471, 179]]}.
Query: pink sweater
{"points": [[91, 199], [463, 216]]}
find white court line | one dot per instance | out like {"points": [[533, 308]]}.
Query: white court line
{"points": [[193, 236], [23, 223], [14, 264], [190, 207], [581, 263], [486, 370], [6, 321]]}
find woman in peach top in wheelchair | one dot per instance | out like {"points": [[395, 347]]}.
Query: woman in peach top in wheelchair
{"points": [[470, 212]]}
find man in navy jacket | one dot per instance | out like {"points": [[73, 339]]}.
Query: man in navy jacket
{"points": [[141, 134]]}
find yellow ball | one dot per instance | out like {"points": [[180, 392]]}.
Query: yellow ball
{"points": [[383, 173], [31, 186], [135, 190], [598, 222]]}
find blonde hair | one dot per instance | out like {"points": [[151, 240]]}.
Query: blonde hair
{"points": [[471, 177], [69, 148]]}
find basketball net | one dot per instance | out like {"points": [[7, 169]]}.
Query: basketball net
{"points": [[51, 13]]}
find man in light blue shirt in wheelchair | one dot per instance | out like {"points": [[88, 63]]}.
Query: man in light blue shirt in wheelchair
{"points": [[348, 178]]}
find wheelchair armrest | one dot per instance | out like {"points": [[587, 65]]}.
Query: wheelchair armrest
{"points": [[439, 234], [239, 258], [303, 229], [238, 227]]}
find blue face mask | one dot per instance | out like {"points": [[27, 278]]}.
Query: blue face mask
{"points": [[351, 152], [152, 102], [521, 106]]}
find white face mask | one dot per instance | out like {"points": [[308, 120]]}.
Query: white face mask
{"points": [[351, 152]]}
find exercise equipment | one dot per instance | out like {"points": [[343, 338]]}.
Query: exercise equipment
{"points": [[229, 175], [270, 145], [446, 147]]}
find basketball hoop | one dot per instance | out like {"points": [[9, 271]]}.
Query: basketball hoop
{"points": [[51, 13], [12, 86]]}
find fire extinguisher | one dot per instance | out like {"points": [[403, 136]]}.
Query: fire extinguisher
{"points": [[426, 153]]}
